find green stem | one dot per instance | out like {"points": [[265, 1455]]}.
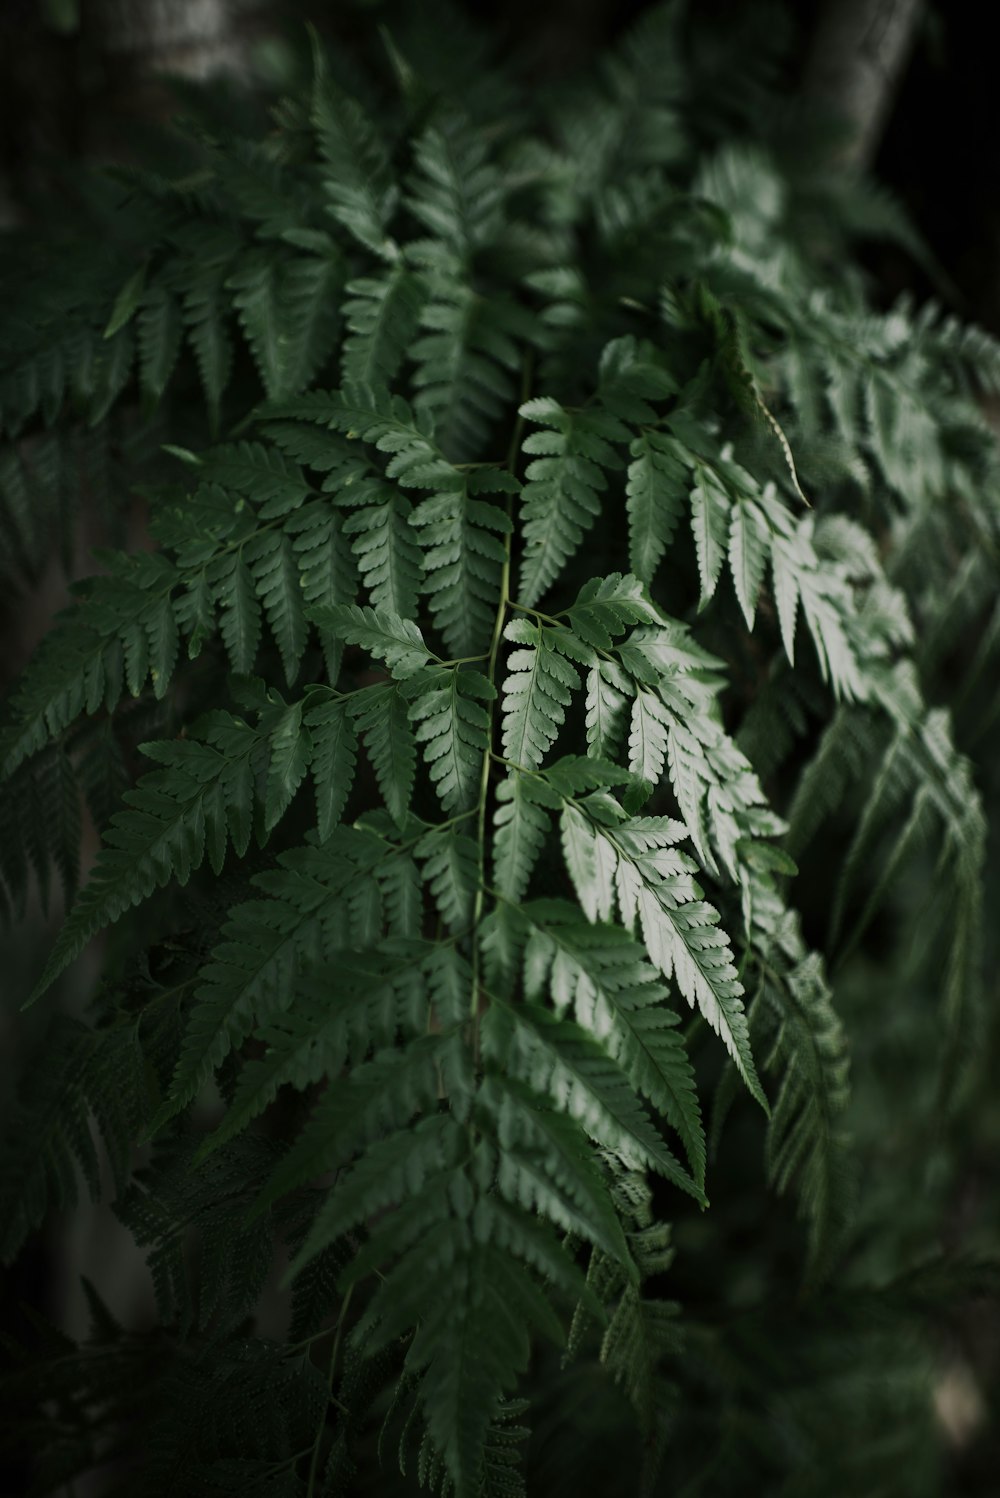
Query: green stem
{"points": [[338, 1337], [484, 780], [503, 603], [557, 621]]}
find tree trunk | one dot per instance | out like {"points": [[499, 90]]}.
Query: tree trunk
{"points": [[856, 61]]}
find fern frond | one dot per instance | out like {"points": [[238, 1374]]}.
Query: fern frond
{"points": [[748, 550], [362, 195], [562, 1059], [382, 315], [326, 569], [288, 312], [465, 361], [605, 978], [635, 868], [521, 829], [537, 691], [561, 497], [657, 485], [114, 639], [710, 521], [384, 420], [545, 1164], [806, 1140], [382, 719], [326, 1032], [233, 1256], [464, 553], [267, 942], [159, 341], [384, 1094], [384, 546], [277, 583], [386, 634], [452, 727], [451, 873], [457, 193], [190, 810], [240, 610], [204, 311], [40, 824], [430, 994]]}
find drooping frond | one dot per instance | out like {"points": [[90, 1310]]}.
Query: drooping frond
{"points": [[555, 590]]}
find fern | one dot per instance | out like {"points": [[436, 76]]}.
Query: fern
{"points": [[382, 315], [452, 727], [358, 186], [561, 496], [656, 486], [450, 743], [536, 693], [464, 557]]}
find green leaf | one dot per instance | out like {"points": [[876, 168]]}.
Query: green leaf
{"points": [[608, 690], [315, 1041], [559, 1057], [470, 1348], [175, 817], [127, 301], [382, 315], [326, 569], [358, 184], [684, 942], [290, 744], [287, 309], [204, 310], [79, 668], [385, 547], [653, 885], [381, 716], [464, 555], [465, 361], [546, 1164], [334, 754], [604, 977], [748, 549], [451, 872], [657, 489], [278, 586], [267, 943], [521, 829], [647, 743], [368, 415], [159, 339], [786, 593], [537, 690], [591, 863], [710, 509], [561, 498], [240, 616], [452, 727], [807, 1140], [385, 634]]}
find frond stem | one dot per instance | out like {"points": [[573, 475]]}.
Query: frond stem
{"points": [[337, 1339], [503, 603]]}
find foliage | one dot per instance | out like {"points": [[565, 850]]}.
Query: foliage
{"points": [[553, 548]]}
